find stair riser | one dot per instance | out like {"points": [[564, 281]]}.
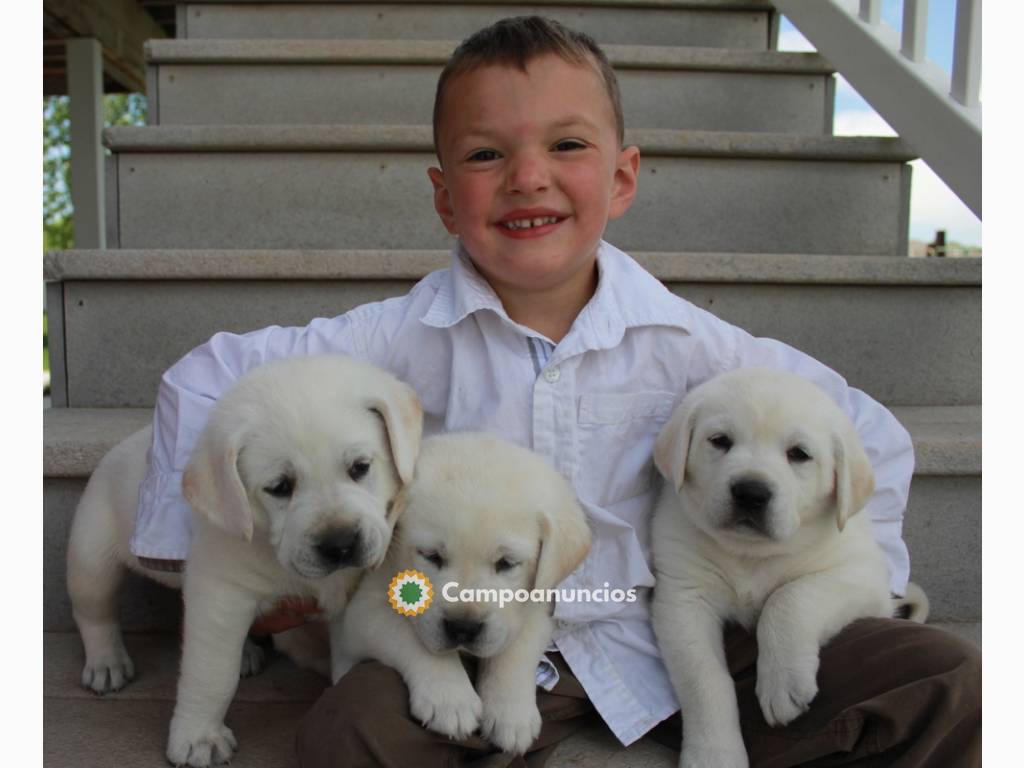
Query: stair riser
{"points": [[145, 605], [380, 200], [942, 529], [218, 94], [943, 532], [930, 355], [709, 28]]}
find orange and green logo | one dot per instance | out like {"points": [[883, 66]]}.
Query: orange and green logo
{"points": [[410, 593]]}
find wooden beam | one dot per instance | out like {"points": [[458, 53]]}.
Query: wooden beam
{"points": [[121, 26]]}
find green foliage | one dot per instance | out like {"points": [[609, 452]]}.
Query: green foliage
{"points": [[118, 109]]}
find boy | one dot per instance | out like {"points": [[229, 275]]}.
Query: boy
{"points": [[544, 334]]}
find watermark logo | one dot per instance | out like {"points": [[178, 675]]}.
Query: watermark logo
{"points": [[410, 593]]}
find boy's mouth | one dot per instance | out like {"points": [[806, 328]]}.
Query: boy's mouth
{"points": [[539, 221], [529, 223]]}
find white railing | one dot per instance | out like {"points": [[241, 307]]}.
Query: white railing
{"points": [[939, 116]]}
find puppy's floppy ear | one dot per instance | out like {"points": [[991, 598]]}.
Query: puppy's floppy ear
{"points": [[211, 483], [854, 478], [673, 444], [400, 408], [565, 541]]}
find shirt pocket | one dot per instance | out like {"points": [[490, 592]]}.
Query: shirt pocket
{"points": [[616, 435]]}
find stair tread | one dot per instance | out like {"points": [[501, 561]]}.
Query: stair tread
{"points": [[358, 51], [419, 138], [947, 439], [129, 728], [722, 5], [219, 264]]}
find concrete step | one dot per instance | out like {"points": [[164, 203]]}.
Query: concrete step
{"points": [[129, 728], [160, 304], [942, 527], [366, 187], [392, 82], [705, 23]]}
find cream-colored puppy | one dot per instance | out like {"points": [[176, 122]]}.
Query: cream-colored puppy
{"points": [[480, 514], [294, 481], [756, 525]]}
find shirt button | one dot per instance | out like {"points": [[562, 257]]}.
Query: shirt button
{"points": [[552, 374]]}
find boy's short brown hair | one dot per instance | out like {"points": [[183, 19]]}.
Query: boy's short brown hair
{"points": [[516, 42]]}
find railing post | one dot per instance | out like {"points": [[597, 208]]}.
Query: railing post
{"points": [[871, 11], [85, 87], [966, 83], [915, 29]]}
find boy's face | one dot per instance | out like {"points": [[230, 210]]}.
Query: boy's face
{"points": [[532, 172]]}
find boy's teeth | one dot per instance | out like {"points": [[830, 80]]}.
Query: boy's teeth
{"points": [[528, 223]]}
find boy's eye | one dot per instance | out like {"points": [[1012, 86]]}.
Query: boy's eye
{"points": [[483, 156], [567, 145]]}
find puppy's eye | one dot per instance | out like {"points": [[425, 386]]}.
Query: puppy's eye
{"points": [[282, 488], [505, 564], [797, 455], [359, 469], [721, 442], [431, 557]]}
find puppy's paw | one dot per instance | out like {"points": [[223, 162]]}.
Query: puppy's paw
{"points": [[109, 671], [786, 685], [254, 659], [511, 723], [200, 747], [705, 754], [450, 707]]}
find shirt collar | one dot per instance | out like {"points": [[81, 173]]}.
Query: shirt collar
{"points": [[627, 296]]}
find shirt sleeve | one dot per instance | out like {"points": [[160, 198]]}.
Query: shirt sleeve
{"points": [[887, 443], [187, 393]]}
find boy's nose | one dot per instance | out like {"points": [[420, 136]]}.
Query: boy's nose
{"points": [[526, 173]]}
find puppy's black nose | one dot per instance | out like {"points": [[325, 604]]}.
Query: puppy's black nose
{"points": [[462, 631], [750, 496], [339, 548]]}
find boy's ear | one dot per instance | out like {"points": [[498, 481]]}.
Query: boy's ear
{"points": [[442, 200], [627, 169]]}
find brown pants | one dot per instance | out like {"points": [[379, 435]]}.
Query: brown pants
{"points": [[891, 693]]}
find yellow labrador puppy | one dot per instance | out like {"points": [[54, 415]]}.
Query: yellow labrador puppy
{"points": [[294, 481], [481, 518], [756, 525]]}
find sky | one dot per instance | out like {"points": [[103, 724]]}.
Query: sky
{"points": [[933, 205]]}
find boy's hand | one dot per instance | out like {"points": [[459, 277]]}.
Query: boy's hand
{"points": [[290, 612]]}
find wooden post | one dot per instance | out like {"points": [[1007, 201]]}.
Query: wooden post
{"points": [[85, 87]]}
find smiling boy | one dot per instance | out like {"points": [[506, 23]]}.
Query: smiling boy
{"points": [[546, 335]]}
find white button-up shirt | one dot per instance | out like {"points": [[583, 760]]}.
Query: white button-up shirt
{"points": [[592, 404]]}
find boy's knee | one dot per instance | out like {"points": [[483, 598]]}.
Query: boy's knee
{"points": [[945, 663], [350, 723]]}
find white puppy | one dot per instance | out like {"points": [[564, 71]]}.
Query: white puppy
{"points": [[764, 474], [485, 515], [294, 479]]}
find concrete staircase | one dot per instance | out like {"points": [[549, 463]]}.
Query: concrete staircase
{"points": [[283, 178]]}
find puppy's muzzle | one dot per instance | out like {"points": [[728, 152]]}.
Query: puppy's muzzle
{"points": [[462, 631], [340, 548], [750, 502]]}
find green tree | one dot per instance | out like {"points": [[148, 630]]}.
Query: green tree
{"points": [[118, 109]]}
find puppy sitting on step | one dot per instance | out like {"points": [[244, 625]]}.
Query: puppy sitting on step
{"points": [[758, 525], [481, 517], [293, 482]]}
